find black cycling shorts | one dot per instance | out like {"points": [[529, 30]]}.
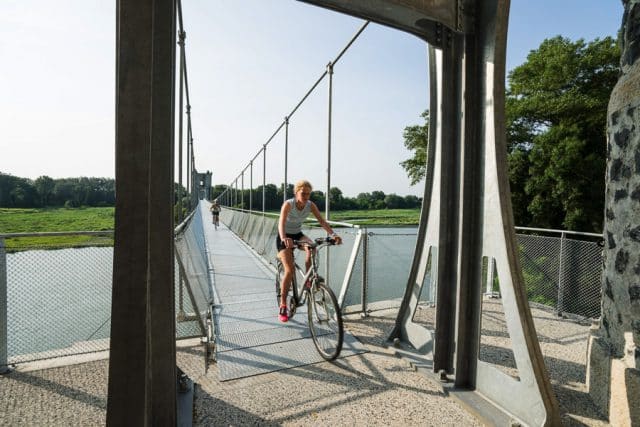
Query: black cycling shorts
{"points": [[280, 244]]}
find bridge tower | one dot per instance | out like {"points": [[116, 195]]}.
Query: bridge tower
{"points": [[613, 374], [201, 186]]}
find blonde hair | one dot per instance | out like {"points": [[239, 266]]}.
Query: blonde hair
{"points": [[300, 185]]}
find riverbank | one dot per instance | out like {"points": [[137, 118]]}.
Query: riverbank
{"points": [[102, 219]]}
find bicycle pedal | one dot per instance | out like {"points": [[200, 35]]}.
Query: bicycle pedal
{"points": [[291, 307]]}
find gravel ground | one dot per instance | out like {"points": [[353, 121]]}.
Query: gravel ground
{"points": [[73, 395], [375, 388], [563, 343]]}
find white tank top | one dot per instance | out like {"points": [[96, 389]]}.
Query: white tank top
{"points": [[293, 224]]}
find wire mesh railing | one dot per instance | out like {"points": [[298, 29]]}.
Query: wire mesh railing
{"points": [[560, 272], [58, 294], [58, 299], [55, 295]]}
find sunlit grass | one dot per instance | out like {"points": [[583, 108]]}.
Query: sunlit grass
{"points": [[386, 217], [60, 219], [102, 219]]}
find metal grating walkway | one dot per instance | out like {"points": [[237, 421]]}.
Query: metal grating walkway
{"points": [[250, 340]]}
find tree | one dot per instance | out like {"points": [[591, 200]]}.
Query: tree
{"points": [[336, 199], [411, 201], [556, 106], [318, 198], [415, 139], [393, 201], [272, 201], [289, 191], [556, 122], [217, 190], [377, 200], [17, 192], [44, 185], [363, 200]]}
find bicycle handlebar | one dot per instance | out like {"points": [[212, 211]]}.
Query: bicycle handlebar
{"points": [[318, 242]]}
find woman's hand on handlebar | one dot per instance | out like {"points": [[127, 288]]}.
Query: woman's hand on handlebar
{"points": [[337, 239], [288, 243]]}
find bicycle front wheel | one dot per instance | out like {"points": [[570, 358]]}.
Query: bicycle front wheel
{"points": [[325, 321]]}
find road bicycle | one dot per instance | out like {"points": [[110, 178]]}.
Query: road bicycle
{"points": [[323, 311], [216, 219]]}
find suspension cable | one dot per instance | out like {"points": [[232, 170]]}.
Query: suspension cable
{"points": [[287, 119]]}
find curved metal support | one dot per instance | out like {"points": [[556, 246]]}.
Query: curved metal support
{"points": [[497, 235], [466, 215], [429, 229]]}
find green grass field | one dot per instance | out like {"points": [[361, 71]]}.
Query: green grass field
{"points": [[381, 217], [102, 219], [61, 219]]}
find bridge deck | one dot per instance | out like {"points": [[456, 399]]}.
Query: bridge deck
{"points": [[250, 339]]}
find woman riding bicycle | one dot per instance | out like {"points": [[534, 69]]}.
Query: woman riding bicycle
{"points": [[215, 212], [292, 214]]}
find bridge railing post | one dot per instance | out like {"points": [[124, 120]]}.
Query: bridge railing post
{"points": [[360, 231], [286, 158], [365, 278], [264, 177], [3, 308], [561, 268]]}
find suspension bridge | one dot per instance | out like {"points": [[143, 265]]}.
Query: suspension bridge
{"points": [[396, 367]]}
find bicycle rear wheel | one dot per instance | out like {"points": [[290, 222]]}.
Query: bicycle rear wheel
{"points": [[325, 321]]}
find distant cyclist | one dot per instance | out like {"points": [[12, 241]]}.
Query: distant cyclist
{"points": [[292, 214], [215, 212]]}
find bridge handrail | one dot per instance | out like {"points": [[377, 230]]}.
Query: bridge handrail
{"points": [[308, 220], [565, 232]]}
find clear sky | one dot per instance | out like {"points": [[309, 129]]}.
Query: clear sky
{"points": [[250, 62]]}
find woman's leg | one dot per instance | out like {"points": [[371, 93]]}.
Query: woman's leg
{"points": [[286, 257]]}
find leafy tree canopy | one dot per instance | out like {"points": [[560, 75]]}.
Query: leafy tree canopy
{"points": [[415, 139], [556, 108], [556, 105]]}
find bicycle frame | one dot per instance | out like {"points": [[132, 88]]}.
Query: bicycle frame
{"points": [[311, 275], [323, 311]]}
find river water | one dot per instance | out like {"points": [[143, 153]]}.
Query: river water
{"points": [[59, 301]]}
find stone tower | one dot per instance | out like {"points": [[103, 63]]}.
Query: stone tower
{"points": [[614, 347]]}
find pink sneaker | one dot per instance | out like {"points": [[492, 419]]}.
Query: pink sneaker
{"points": [[283, 315]]}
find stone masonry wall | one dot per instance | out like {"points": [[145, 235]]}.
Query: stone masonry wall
{"points": [[614, 349], [621, 292]]}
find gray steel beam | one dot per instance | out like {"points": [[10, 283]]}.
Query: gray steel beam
{"points": [[413, 16], [161, 368], [496, 232], [142, 370], [469, 302], [450, 200], [468, 203]]}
